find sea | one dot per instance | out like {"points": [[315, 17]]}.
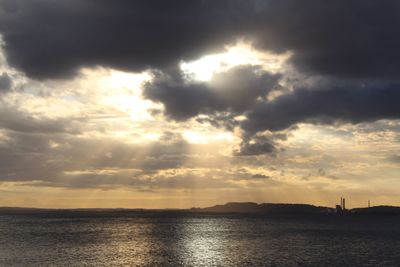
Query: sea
{"points": [[187, 239]]}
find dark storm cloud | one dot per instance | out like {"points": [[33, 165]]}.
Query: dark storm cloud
{"points": [[235, 90], [5, 83], [346, 38], [343, 104], [53, 38]]}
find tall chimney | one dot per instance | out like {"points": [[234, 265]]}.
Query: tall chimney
{"points": [[344, 203]]}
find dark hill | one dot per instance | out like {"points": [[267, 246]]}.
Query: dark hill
{"points": [[377, 210], [267, 208]]}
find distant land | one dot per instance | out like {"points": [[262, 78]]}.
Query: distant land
{"points": [[294, 209], [232, 207]]}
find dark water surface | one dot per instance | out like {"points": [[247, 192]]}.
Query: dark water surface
{"points": [[170, 239]]}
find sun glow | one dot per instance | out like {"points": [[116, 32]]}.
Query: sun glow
{"points": [[118, 79], [205, 137], [122, 91], [240, 54]]}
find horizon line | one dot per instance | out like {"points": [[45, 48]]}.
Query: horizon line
{"points": [[181, 209]]}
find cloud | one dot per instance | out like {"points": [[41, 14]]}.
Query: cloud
{"points": [[46, 156], [5, 83], [260, 176], [18, 121], [53, 39], [234, 91], [75, 162], [131, 179], [356, 104], [348, 39], [255, 149], [394, 159]]}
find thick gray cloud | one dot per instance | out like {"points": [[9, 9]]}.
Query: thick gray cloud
{"points": [[259, 147], [243, 90], [235, 91], [343, 104], [254, 145], [346, 38], [5, 83], [53, 38], [248, 149]]}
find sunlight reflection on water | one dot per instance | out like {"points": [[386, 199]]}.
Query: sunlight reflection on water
{"points": [[194, 240]]}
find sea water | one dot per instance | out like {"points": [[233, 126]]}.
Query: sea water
{"points": [[185, 239]]}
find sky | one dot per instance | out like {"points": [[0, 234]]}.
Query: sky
{"points": [[179, 104]]}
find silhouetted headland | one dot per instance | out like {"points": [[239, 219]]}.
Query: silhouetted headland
{"points": [[267, 208], [300, 210]]}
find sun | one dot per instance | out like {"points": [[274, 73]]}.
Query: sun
{"points": [[241, 53]]}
